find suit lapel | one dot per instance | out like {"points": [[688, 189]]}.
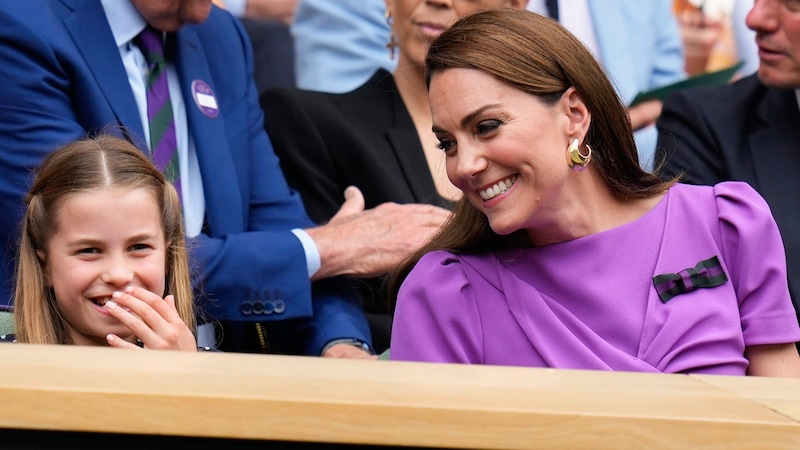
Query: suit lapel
{"points": [[413, 165], [87, 25], [774, 145], [403, 139], [209, 135]]}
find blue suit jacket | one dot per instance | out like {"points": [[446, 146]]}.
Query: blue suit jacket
{"points": [[63, 77]]}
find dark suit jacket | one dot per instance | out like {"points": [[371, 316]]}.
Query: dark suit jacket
{"points": [[273, 53], [62, 76], [364, 138], [743, 131]]}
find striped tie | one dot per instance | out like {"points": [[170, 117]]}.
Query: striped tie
{"points": [[163, 144]]}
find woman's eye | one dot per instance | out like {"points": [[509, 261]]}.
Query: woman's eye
{"points": [[487, 126], [88, 251], [445, 145]]}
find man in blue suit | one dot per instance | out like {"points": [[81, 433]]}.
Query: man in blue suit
{"points": [[72, 67]]}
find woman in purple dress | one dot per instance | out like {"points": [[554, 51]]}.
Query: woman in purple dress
{"points": [[563, 252]]}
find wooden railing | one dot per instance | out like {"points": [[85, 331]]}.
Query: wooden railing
{"points": [[103, 393]]}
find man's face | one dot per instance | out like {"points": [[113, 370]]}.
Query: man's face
{"points": [[171, 15], [777, 27]]}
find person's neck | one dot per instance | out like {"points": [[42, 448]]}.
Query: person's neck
{"points": [[410, 81], [591, 209]]}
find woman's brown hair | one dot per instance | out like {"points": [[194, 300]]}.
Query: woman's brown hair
{"points": [[538, 56]]}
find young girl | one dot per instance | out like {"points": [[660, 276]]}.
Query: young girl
{"points": [[102, 258]]}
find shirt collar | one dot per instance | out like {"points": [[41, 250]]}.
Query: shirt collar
{"points": [[124, 19]]}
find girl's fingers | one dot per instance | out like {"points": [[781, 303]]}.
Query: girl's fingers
{"points": [[151, 308], [115, 341], [154, 320]]}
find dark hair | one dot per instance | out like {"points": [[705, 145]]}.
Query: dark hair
{"points": [[86, 165], [535, 55]]}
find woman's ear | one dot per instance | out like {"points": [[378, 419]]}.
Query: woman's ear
{"points": [[45, 271], [577, 112], [520, 4]]}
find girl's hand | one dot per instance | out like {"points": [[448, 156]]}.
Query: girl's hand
{"points": [[154, 320]]}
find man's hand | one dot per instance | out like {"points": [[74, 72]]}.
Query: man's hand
{"points": [[372, 242], [348, 351]]}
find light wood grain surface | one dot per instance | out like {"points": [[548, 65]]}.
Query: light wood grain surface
{"points": [[307, 399]]}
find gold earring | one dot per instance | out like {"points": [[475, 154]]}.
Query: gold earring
{"points": [[392, 45], [576, 160]]}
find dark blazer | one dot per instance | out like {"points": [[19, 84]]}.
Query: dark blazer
{"points": [[743, 131], [364, 138], [62, 76]]}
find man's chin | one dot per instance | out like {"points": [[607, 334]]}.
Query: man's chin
{"points": [[778, 79]]}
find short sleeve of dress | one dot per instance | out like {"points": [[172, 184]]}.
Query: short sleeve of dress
{"points": [[436, 318], [756, 261]]}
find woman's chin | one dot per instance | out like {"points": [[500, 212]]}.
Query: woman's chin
{"points": [[502, 229]]}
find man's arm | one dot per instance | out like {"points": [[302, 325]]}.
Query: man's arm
{"points": [[372, 242]]}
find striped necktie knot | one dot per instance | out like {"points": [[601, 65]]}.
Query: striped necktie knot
{"points": [[151, 43]]}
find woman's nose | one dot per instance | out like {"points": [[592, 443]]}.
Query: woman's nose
{"points": [[469, 163]]}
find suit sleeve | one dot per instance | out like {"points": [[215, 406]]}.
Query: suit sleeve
{"points": [[686, 143], [266, 261]]}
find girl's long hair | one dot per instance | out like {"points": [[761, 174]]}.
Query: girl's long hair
{"points": [[81, 166]]}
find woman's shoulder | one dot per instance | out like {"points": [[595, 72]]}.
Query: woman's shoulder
{"points": [[723, 192], [733, 202], [472, 268]]}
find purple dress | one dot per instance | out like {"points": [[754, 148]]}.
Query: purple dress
{"points": [[684, 288]]}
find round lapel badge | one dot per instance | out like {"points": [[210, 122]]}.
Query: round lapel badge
{"points": [[205, 99]]}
